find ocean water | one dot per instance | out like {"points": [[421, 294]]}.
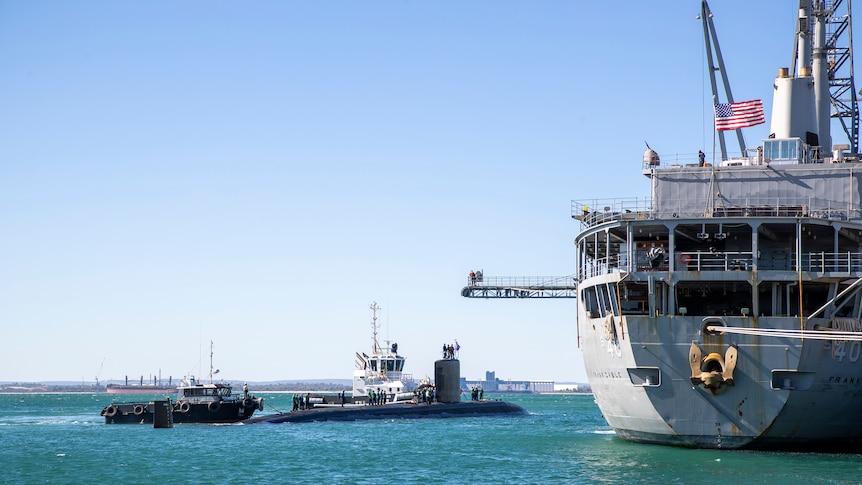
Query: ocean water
{"points": [[61, 439]]}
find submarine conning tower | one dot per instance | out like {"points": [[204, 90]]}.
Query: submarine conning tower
{"points": [[447, 380]]}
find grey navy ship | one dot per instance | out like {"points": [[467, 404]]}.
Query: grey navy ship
{"points": [[724, 310]]}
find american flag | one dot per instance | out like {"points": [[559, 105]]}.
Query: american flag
{"points": [[732, 116]]}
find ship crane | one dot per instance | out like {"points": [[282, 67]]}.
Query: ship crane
{"points": [[520, 287]]}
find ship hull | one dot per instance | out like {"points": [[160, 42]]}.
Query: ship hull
{"points": [[785, 393], [142, 412], [649, 377]]}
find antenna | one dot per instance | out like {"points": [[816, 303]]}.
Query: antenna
{"points": [[211, 363], [375, 347]]}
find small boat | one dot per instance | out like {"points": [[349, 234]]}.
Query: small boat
{"points": [[196, 402], [382, 372]]}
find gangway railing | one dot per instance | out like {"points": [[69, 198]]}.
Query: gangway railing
{"points": [[521, 287]]}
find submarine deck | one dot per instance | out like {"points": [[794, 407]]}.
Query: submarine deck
{"points": [[403, 411]]}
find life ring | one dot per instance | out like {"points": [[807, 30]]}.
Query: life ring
{"points": [[610, 329], [140, 409], [684, 258], [111, 411], [185, 407], [214, 406]]}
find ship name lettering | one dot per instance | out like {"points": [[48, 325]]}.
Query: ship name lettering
{"points": [[844, 380], [846, 324], [608, 374]]}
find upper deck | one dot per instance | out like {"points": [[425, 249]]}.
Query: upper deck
{"points": [[829, 191]]}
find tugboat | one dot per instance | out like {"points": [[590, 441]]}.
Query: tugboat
{"points": [[381, 373], [196, 403]]}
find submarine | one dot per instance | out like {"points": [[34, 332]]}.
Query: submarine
{"points": [[447, 404]]}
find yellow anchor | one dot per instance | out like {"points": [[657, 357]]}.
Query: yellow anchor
{"points": [[713, 371]]}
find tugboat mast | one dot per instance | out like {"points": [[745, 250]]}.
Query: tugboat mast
{"points": [[375, 347], [211, 363]]}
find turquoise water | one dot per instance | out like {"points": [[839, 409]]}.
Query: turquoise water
{"points": [[60, 438]]}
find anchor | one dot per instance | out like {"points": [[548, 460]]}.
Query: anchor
{"points": [[713, 371]]}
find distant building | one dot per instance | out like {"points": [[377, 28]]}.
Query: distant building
{"points": [[572, 387], [492, 384]]}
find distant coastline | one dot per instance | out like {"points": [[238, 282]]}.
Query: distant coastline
{"points": [[331, 385]]}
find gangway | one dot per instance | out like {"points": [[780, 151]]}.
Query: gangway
{"points": [[520, 287]]}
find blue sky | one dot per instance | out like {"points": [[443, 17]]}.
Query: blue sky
{"points": [[258, 173]]}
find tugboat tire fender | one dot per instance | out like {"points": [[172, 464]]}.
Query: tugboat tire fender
{"points": [[248, 402], [185, 407], [139, 409], [214, 406], [111, 411]]}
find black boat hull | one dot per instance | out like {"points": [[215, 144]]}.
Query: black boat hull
{"points": [[183, 412]]}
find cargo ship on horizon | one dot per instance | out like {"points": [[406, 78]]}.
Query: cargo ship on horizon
{"points": [[157, 386]]}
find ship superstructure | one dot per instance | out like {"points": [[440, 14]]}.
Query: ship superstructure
{"points": [[382, 372]]}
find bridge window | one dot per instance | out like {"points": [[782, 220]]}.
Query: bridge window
{"points": [[590, 300], [782, 151]]}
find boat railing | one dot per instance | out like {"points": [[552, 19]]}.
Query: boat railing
{"points": [[522, 281], [692, 159], [715, 261], [823, 262], [600, 211], [815, 262], [600, 266]]}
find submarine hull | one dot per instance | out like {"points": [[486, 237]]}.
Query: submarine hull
{"points": [[403, 411]]}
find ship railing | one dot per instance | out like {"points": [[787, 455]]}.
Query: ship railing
{"points": [[823, 262], [816, 262], [692, 159], [407, 378], [596, 267], [522, 281], [600, 211], [714, 261]]}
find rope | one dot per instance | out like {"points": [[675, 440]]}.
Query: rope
{"points": [[818, 334]]}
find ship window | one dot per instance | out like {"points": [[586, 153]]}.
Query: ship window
{"points": [[373, 364], [605, 299], [591, 302], [614, 303], [399, 364], [390, 365], [634, 299], [782, 151]]}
